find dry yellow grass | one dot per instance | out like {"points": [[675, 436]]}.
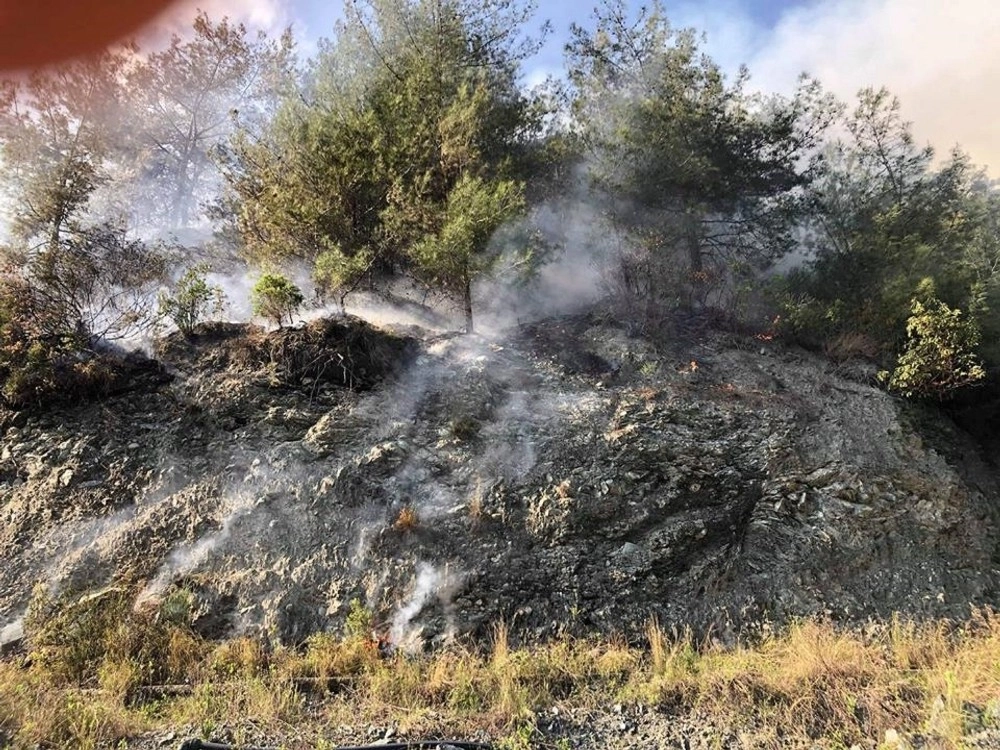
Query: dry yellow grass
{"points": [[407, 520], [811, 683]]}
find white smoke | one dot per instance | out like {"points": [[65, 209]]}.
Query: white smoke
{"points": [[569, 277], [431, 582], [941, 59], [189, 557]]}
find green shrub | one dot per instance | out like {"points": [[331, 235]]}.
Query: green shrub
{"points": [[360, 621], [192, 301], [940, 354], [275, 297], [338, 274], [807, 320]]}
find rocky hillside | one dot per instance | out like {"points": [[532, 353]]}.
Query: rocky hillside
{"points": [[567, 478]]}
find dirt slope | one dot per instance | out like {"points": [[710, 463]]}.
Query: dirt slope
{"points": [[566, 478]]}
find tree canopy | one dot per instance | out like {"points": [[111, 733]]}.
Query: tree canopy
{"points": [[410, 147], [707, 175], [407, 111]]}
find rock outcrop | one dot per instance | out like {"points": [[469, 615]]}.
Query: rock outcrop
{"points": [[568, 478]]}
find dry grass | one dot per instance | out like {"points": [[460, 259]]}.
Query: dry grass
{"points": [[477, 505], [851, 345], [811, 683], [564, 489], [407, 520], [36, 713]]}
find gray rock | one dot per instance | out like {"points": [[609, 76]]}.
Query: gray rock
{"points": [[767, 487]]}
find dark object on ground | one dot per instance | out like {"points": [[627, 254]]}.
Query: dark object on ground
{"points": [[420, 745], [81, 377], [343, 351]]}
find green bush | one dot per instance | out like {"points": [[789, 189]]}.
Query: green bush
{"points": [[360, 621], [940, 354], [338, 274], [275, 297], [192, 301]]}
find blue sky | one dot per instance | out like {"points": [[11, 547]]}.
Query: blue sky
{"points": [[318, 15]]}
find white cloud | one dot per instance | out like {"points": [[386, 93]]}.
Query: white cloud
{"points": [[271, 16], [941, 58], [733, 34]]}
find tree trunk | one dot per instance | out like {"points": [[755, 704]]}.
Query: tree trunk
{"points": [[696, 266], [179, 214], [467, 298], [694, 247]]}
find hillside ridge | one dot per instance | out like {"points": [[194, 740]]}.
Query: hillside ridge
{"points": [[568, 479]]}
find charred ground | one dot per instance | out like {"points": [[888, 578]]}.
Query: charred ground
{"points": [[570, 478]]}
